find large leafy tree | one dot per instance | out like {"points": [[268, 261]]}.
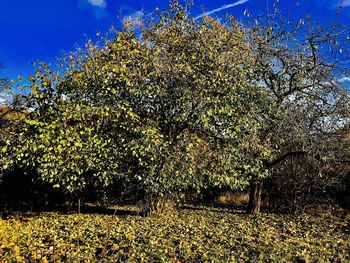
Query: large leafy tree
{"points": [[169, 110]]}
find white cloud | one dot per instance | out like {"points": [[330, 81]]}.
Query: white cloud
{"points": [[344, 79], [4, 99], [98, 3], [97, 7], [240, 2], [135, 19], [345, 3]]}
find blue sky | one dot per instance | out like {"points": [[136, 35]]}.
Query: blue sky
{"points": [[42, 30]]}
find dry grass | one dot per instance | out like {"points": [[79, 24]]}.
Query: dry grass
{"points": [[228, 197]]}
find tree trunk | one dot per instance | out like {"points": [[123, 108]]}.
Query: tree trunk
{"points": [[79, 206], [254, 198]]}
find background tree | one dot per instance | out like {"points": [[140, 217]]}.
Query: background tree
{"points": [[300, 64]]}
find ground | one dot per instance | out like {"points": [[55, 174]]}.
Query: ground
{"points": [[192, 234]]}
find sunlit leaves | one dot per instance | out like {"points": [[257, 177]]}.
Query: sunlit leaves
{"points": [[201, 234]]}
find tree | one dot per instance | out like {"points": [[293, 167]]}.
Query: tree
{"points": [[299, 66], [160, 111]]}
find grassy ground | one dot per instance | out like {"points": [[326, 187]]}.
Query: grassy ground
{"points": [[189, 235]]}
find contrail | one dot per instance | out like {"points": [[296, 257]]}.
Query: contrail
{"points": [[240, 2]]}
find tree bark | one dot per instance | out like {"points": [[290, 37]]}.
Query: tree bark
{"points": [[79, 206], [254, 203]]}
